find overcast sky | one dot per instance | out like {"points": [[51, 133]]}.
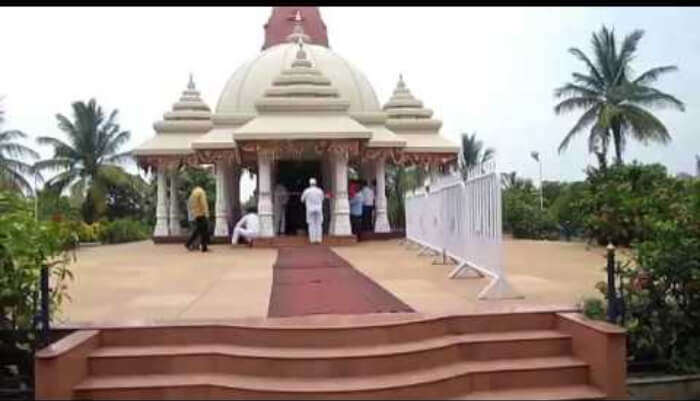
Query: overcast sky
{"points": [[486, 70]]}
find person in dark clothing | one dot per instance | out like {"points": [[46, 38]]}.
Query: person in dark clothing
{"points": [[200, 211], [367, 206]]}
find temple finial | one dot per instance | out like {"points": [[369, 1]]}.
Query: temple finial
{"points": [[190, 85], [401, 83], [301, 54]]}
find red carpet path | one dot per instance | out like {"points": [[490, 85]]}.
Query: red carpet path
{"points": [[315, 280]]}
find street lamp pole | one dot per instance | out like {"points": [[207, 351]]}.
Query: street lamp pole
{"points": [[541, 196], [536, 155], [36, 198]]}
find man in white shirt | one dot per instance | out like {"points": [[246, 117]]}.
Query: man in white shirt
{"points": [[248, 227], [279, 203], [312, 198], [367, 206]]}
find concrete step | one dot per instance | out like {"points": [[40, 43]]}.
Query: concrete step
{"points": [[436, 382], [326, 362], [319, 336], [574, 392]]}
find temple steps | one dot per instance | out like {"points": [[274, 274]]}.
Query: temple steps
{"points": [[402, 329], [574, 392], [430, 382], [537, 355], [326, 362]]}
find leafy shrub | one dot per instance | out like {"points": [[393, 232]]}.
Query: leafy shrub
{"points": [[123, 230], [594, 308], [662, 287], [523, 216], [567, 211], [27, 245], [51, 206], [617, 200], [90, 232]]}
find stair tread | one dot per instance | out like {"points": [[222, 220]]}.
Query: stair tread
{"points": [[574, 392], [319, 353], [334, 384]]}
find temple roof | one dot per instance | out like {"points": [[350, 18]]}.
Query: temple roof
{"points": [[297, 88], [302, 103], [282, 23], [189, 119], [414, 123]]}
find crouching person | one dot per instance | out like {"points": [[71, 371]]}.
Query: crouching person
{"points": [[247, 227]]}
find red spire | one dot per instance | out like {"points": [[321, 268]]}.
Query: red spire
{"points": [[281, 24]]}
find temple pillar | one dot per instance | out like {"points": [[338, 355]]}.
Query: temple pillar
{"points": [[265, 195], [327, 183], [340, 223], [381, 223], [175, 216], [161, 229], [221, 223]]}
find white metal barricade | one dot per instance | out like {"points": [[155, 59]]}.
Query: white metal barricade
{"points": [[462, 220]]}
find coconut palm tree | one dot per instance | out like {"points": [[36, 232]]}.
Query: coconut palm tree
{"points": [[13, 170], [88, 161], [512, 181], [613, 102], [473, 153]]}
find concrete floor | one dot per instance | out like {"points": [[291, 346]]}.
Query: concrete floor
{"points": [[142, 282]]}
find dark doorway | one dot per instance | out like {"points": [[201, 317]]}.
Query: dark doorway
{"points": [[294, 175]]}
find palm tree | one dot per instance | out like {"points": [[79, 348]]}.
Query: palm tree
{"points": [[473, 153], [89, 160], [12, 168], [512, 181], [614, 102]]}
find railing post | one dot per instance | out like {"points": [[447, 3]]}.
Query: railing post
{"points": [[45, 316], [612, 298]]}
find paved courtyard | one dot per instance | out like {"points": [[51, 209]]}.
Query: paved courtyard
{"points": [[137, 282]]}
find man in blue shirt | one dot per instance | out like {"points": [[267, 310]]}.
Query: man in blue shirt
{"points": [[356, 202]]}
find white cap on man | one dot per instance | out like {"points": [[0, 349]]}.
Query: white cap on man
{"points": [[312, 181]]}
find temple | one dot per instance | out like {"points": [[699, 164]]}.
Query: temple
{"points": [[296, 110]]}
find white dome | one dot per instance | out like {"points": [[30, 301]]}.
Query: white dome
{"points": [[250, 81]]}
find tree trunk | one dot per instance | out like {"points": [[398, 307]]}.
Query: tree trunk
{"points": [[602, 162], [617, 138]]}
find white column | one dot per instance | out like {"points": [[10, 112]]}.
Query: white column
{"points": [[264, 195], [227, 189], [161, 229], [174, 205], [327, 188], [341, 206], [381, 224], [221, 225], [330, 166]]}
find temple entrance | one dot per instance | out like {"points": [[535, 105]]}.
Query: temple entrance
{"points": [[294, 175]]}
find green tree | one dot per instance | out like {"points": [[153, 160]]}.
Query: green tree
{"points": [[128, 197], [13, 168], [87, 160], [400, 180], [614, 103], [473, 153]]}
